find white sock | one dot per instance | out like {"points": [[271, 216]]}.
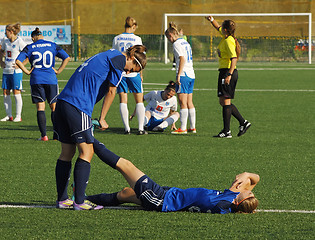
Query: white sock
{"points": [[7, 105], [18, 104], [140, 112], [192, 117], [183, 118], [146, 120], [124, 113], [169, 121]]}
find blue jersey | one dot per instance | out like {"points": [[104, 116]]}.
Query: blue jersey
{"points": [[89, 83], [41, 55], [198, 200]]}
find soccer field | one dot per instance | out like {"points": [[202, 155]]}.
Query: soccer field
{"points": [[276, 98]]}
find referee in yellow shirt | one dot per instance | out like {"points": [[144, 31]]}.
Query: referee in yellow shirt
{"points": [[228, 51]]}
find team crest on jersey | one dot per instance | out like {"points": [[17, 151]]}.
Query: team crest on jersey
{"points": [[13, 46], [167, 103]]}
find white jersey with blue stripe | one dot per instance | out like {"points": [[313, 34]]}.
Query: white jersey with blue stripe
{"points": [[124, 41], [12, 50], [182, 48], [158, 107], [89, 82], [198, 200], [41, 55]]}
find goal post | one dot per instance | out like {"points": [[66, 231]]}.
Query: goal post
{"points": [[309, 20]]}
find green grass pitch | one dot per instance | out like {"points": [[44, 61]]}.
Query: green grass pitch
{"points": [[278, 99]]}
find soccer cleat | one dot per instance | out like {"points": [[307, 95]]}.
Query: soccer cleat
{"points": [[243, 128], [158, 129], [7, 118], [127, 132], [223, 134], [66, 204], [45, 138], [87, 205], [179, 131], [17, 119], [192, 130], [142, 132], [95, 123]]}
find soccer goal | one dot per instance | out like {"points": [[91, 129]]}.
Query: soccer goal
{"points": [[264, 37]]}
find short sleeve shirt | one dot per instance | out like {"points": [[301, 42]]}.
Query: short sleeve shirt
{"points": [[226, 50]]}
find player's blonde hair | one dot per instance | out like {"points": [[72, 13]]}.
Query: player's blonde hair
{"points": [[247, 205], [139, 53], [130, 21], [172, 28], [230, 27], [15, 28]]}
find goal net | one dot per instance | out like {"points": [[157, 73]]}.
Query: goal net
{"points": [[264, 37]]}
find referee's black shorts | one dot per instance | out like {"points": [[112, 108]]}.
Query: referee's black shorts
{"points": [[227, 91]]}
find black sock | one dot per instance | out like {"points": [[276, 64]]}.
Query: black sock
{"points": [[237, 114], [104, 154], [81, 175], [227, 112], [104, 199], [62, 173], [52, 114], [41, 121]]}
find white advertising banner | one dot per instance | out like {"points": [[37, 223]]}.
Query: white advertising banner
{"points": [[60, 34]]}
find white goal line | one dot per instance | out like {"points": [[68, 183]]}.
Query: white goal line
{"points": [[141, 208]]}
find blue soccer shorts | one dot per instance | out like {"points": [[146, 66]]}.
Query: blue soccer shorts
{"points": [[72, 125], [12, 81], [153, 122], [134, 84], [186, 85], [41, 92], [150, 193]]}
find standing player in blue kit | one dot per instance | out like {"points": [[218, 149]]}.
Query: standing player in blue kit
{"points": [[44, 84]]}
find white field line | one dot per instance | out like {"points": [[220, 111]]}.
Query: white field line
{"points": [[216, 69], [239, 68], [140, 208]]}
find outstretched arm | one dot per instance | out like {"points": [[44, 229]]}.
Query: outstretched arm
{"points": [[244, 181], [108, 100], [214, 23]]}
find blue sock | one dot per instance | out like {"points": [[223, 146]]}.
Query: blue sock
{"points": [[104, 154], [81, 177], [62, 172], [41, 121], [104, 199]]}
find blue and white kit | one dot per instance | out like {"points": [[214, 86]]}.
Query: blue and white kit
{"points": [[12, 77], [158, 107], [85, 88], [182, 48], [171, 199], [131, 81]]}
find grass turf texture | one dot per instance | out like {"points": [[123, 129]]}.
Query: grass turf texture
{"points": [[279, 147]]}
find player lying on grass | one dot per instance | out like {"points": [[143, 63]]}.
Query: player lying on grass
{"points": [[161, 109], [145, 192]]}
